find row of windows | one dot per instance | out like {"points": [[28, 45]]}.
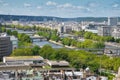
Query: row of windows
{"points": [[4, 43], [5, 46]]}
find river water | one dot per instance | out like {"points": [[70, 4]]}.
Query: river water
{"points": [[42, 43], [39, 43]]}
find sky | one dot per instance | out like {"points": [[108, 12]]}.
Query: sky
{"points": [[61, 8]]}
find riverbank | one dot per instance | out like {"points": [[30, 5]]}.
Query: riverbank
{"points": [[58, 43]]}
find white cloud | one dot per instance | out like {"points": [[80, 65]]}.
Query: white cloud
{"points": [[5, 4], [92, 4], [27, 5], [83, 8], [50, 3], [39, 7], [71, 6], [88, 9], [115, 5], [67, 5]]}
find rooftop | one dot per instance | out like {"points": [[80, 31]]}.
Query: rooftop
{"points": [[3, 34], [13, 38], [23, 58], [60, 63]]}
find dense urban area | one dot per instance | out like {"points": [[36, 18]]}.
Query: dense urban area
{"points": [[59, 49]]}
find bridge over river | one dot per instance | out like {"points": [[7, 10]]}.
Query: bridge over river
{"points": [[37, 38]]}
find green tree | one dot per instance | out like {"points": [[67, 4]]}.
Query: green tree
{"points": [[35, 50], [98, 45], [87, 43], [3, 29], [60, 54], [46, 51], [87, 35], [118, 40], [24, 38], [22, 52], [73, 42], [66, 41], [15, 33], [9, 32]]}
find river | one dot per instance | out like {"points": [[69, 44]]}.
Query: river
{"points": [[39, 43], [42, 43]]}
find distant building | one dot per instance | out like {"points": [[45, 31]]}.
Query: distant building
{"points": [[5, 45], [68, 29], [15, 22], [93, 31], [76, 28], [104, 31], [112, 21], [116, 32], [61, 29], [111, 29], [64, 29], [14, 42]]}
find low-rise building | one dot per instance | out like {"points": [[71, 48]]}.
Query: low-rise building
{"points": [[23, 60], [74, 75], [91, 78], [103, 78], [57, 64]]}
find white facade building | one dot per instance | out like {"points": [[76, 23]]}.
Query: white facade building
{"points": [[91, 78], [116, 33], [14, 42], [103, 78]]}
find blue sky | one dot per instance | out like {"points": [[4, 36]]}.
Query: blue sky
{"points": [[61, 8]]}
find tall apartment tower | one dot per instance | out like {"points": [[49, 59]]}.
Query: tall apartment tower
{"points": [[112, 21], [104, 31], [5, 45]]}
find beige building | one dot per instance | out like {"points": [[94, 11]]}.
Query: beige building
{"points": [[57, 64], [116, 32], [104, 31]]}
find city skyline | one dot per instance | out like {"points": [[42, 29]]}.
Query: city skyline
{"points": [[62, 8]]}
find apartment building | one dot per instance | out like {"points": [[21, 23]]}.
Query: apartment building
{"points": [[104, 31], [5, 45]]}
